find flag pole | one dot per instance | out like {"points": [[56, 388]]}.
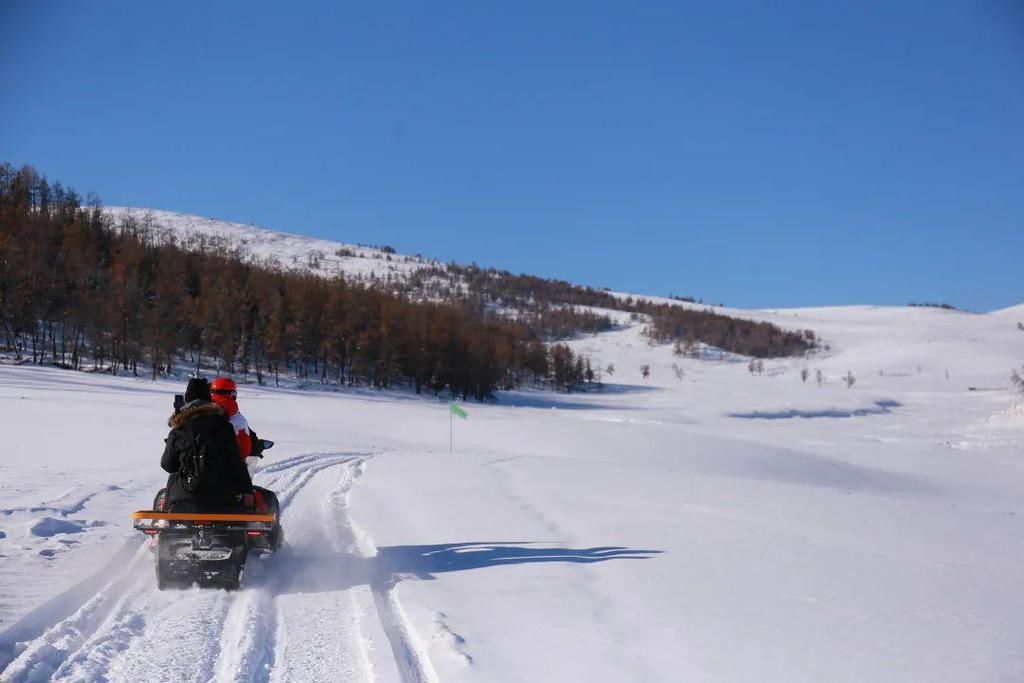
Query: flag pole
{"points": [[453, 410]]}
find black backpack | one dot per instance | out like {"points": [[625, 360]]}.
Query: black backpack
{"points": [[200, 471]]}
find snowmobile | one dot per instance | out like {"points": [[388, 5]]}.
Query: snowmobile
{"points": [[207, 549]]}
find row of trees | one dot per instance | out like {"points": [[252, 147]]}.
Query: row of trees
{"points": [[669, 322], [76, 290]]}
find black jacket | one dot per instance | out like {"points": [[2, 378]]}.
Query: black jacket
{"points": [[208, 420]]}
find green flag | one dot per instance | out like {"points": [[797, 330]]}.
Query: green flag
{"points": [[456, 410]]}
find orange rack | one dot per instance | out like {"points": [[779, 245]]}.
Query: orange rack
{"points": [[208, 517]]}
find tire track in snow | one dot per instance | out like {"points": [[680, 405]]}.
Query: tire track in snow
{"points": [[249, 639], [91, 660], [410, 655], [414, 665], [320, 635], [303, 476], [288, 463], [16, 638], [107, 620], [73, 507], [155, 636], [42, 656]]}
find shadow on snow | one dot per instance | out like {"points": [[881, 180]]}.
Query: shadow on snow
{"points": [[392, 564], [588, 400], [883, 407]]}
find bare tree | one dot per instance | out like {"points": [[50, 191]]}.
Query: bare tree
{"points": [[804, 374], [687, 347], [849, 379], [818, 377], [680, 373], [1017, 378], [610, 370], [645, 371]]}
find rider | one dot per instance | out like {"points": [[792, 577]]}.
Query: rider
{"points": [[200, 420], [224, 393]]}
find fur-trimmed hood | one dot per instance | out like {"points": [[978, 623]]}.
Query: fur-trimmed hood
{"points": [[194, 409]]}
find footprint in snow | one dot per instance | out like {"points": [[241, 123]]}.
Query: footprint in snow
{"points": [[48, 526]]}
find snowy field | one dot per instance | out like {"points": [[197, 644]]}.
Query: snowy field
{"points": [[701, 525]]}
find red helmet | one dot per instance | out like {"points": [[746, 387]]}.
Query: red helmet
{"points": [[224, 386]]}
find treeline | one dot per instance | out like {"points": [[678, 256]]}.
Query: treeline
{"points": [[488, 292], [76, 290], [687, 327], [669, 322], [936, 304]]}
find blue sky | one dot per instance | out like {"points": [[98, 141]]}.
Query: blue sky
{"points": [[752, 153]]}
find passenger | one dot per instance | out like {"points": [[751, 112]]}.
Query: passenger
{"points": [[207, 472], [224, 392]]}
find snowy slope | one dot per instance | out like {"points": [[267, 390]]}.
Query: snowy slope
{"points": [[290, 251], [708, 525], [1012, 313]]}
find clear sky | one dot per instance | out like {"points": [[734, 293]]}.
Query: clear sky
{"points": [[753, 153]]}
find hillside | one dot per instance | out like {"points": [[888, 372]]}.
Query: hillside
{"points": [[132, 291], [550, 309], [323, 257]]}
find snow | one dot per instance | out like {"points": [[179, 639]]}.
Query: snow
{"points": [[718, 526], [704, 524], [1011, 312], [288, 250]]}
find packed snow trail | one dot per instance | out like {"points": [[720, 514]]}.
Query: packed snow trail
{"points": [[298, 616]]}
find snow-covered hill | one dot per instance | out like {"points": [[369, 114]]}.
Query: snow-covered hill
{"points": [[328, 258], [290, 251], [704, 524]]}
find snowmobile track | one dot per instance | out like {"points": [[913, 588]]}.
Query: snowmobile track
{"points": [[105, 627], [249, 639], [410, 656], [40, 658], [411, 660]]}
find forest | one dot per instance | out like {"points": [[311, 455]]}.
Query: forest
{"points": [[78, 291], [544, 300], [81, 293]]}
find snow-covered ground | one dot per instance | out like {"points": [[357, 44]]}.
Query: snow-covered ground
{"points": [[705, 525], [290, 251]]}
